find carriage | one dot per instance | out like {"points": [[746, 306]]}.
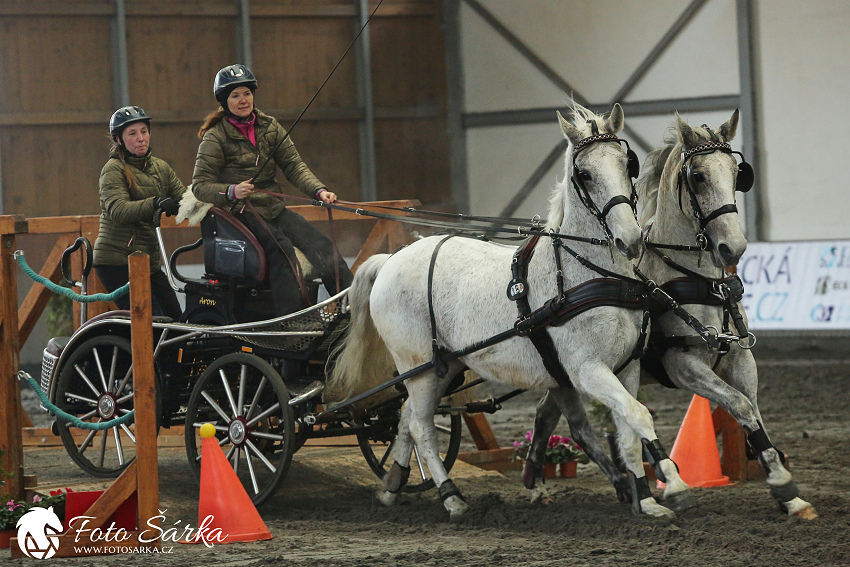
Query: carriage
{"points": [[259, 381]]}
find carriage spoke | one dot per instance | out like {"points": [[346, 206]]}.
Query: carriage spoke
{"points": [[81, 399], [243, 376], [228, 392], [387, 453], [86, 379], [266, 413], [256, 398], [236, 460], [260, 455], [215, 406], [102, 447], [251, 472], [229, 451], [128, 432], [124, 380], [118, 446], [87, 441], [100, 369], [112, 380], [217, 427], [85, 416], [263, 435], [123, 399]]}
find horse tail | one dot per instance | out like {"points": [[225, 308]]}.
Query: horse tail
{"points": [[361, 360]]}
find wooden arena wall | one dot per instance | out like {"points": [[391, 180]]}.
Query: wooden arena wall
{"points": [[57, 89]]}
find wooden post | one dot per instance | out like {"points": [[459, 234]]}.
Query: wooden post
{"points": [[144, 387], [142, 476], [12, 461]]}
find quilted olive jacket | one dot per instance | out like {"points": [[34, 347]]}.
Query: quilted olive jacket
{"points": [[126, 218], [226, 157]]}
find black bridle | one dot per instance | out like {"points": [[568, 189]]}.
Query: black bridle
{"points": [[633, 169], [743, 182]]}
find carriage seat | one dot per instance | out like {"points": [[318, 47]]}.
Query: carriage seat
{"points": [[231, 249]]}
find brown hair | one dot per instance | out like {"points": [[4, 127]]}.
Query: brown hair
{"points": [[211, 120], [119, 152]]}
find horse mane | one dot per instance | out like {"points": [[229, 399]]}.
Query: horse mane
{"points": [[661, 164], [578, 117]]}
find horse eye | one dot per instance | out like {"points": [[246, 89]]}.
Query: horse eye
{"points": [[585, 175], [699, 177]]}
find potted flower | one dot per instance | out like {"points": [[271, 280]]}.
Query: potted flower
{"points": [[12, 511], [560, 450]]}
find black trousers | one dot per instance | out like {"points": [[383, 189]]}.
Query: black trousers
{"points": [[278, 236], [163, 299]]}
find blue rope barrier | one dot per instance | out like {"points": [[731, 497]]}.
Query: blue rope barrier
{"points": [[72, 419], [56, 288]]}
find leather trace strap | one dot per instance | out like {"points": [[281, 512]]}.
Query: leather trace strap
{"points": [[440, 365]]}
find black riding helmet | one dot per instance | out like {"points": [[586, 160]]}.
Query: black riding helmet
{"points": [[231, 77], [125, 116]]}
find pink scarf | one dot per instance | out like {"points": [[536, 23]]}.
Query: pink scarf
{"points": [[245, 127]]}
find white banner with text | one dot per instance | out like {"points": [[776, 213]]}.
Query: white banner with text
{"points": [[797, 285]]}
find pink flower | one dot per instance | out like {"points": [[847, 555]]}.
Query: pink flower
{"points": [[11, 504], [36, 498], [528, 435]]}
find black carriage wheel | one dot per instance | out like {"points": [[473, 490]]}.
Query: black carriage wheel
{"points": [[247, 402], [377, 454], [96, 384]]}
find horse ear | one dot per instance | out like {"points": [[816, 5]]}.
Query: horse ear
{"points": [[570, 132], [615, 121], [728, 130], [689, 137]]}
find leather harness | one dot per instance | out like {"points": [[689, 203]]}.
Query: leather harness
{"points": [[606, 291]]}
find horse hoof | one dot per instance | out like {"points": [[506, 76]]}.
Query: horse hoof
{"points": [[456, 507], [807, 513], [386, 498], [652, 508], [680, 501], [798, 508], [541, 495]]}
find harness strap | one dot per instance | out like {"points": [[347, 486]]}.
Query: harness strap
{"points": [[440, 365]]}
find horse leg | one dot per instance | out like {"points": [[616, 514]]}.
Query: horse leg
{"points": [[570, 404], [396, 478], [546, 419], [742, 376], [424, 393], [634, 425]]}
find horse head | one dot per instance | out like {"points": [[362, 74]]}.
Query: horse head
{"points": [[599, 170], [708, 176]]}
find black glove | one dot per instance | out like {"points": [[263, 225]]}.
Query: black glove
{"points": [[170, 206]]}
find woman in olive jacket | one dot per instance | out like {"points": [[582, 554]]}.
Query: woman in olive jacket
{"points": [[134, 184], [236, 142]]}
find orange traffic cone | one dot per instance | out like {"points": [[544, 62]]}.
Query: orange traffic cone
{"points": [[695, 450], [225, 510]]}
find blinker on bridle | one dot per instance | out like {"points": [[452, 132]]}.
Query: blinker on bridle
{"points": [[743, 183], [633, 168]]}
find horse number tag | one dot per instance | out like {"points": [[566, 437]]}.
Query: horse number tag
{"points": [[517, 289]]}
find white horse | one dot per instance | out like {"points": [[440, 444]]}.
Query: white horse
{"points": [[687, 197], [391, 322]]}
